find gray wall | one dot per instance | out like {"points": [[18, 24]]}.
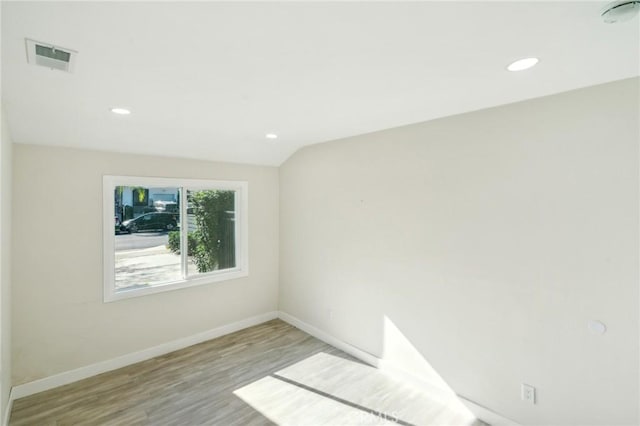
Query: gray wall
{"points": [[488, 240], [59, 320]]}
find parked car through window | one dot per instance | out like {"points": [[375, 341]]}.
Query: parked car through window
{"points": [[150, 222]]}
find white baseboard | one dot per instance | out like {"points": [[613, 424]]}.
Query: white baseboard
{"points": [[478, 410], [7, 412], [327, 338], [71, 376], [487, 415]]}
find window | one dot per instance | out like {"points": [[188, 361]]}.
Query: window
{"points": [[162, 234]]}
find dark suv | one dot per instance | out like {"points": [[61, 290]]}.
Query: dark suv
{"points": [[150, 221]]}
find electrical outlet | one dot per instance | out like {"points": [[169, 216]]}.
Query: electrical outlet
{"points": [[528, 393], [330, 314]]}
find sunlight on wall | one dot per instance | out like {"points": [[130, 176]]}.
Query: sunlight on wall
{"points": [[398, 353], [400, 357], [328, 389]]}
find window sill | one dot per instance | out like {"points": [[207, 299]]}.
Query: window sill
{"points": [[209, 278]]}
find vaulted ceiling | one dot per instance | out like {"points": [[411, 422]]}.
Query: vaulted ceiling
{"points": [[208, 80]]}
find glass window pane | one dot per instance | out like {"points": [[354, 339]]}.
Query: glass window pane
{"points": [[147, 236], [211, 216]]}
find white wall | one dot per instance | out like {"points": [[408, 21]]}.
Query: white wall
{"points": [[59, 320], [488, 239], [5, 266]]}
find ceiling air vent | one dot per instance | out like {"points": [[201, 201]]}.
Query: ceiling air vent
{"points": [[50, 56]]}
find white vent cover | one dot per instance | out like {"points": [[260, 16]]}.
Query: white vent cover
{"points": [[50, 56]]}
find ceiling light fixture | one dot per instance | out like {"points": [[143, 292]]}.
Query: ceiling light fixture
{"points": [[522, 64], [620, 11], [271, 136], [121, 111]]}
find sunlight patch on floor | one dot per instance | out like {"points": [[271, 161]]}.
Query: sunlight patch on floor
{"points": [[326, 389], [287, 404]]}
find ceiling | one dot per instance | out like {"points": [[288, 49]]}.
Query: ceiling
{"points": [[208, 80]]}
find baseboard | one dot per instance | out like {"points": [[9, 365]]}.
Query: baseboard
{"points": [[7, 411], [71, 376], [478, 410], [487, 415], [327, 338]]}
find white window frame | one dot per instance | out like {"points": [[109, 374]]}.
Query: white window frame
{"points": [[109, 183]]}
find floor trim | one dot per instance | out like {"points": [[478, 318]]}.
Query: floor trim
{"points": [[333, 341], [487, 415], [71, 376], [7, 412], [478, 410]]}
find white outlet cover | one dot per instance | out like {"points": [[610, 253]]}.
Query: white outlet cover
{"points": [[596, 327], [528, 393]]}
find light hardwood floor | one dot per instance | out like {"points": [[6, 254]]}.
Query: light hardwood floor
{"points": [[272, 373]]}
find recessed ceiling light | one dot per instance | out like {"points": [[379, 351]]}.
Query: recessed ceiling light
{"points": [[121, 111], [522, 64], [271, 136]]}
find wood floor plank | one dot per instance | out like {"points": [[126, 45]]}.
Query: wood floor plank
{"points": [[236, 380]]}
